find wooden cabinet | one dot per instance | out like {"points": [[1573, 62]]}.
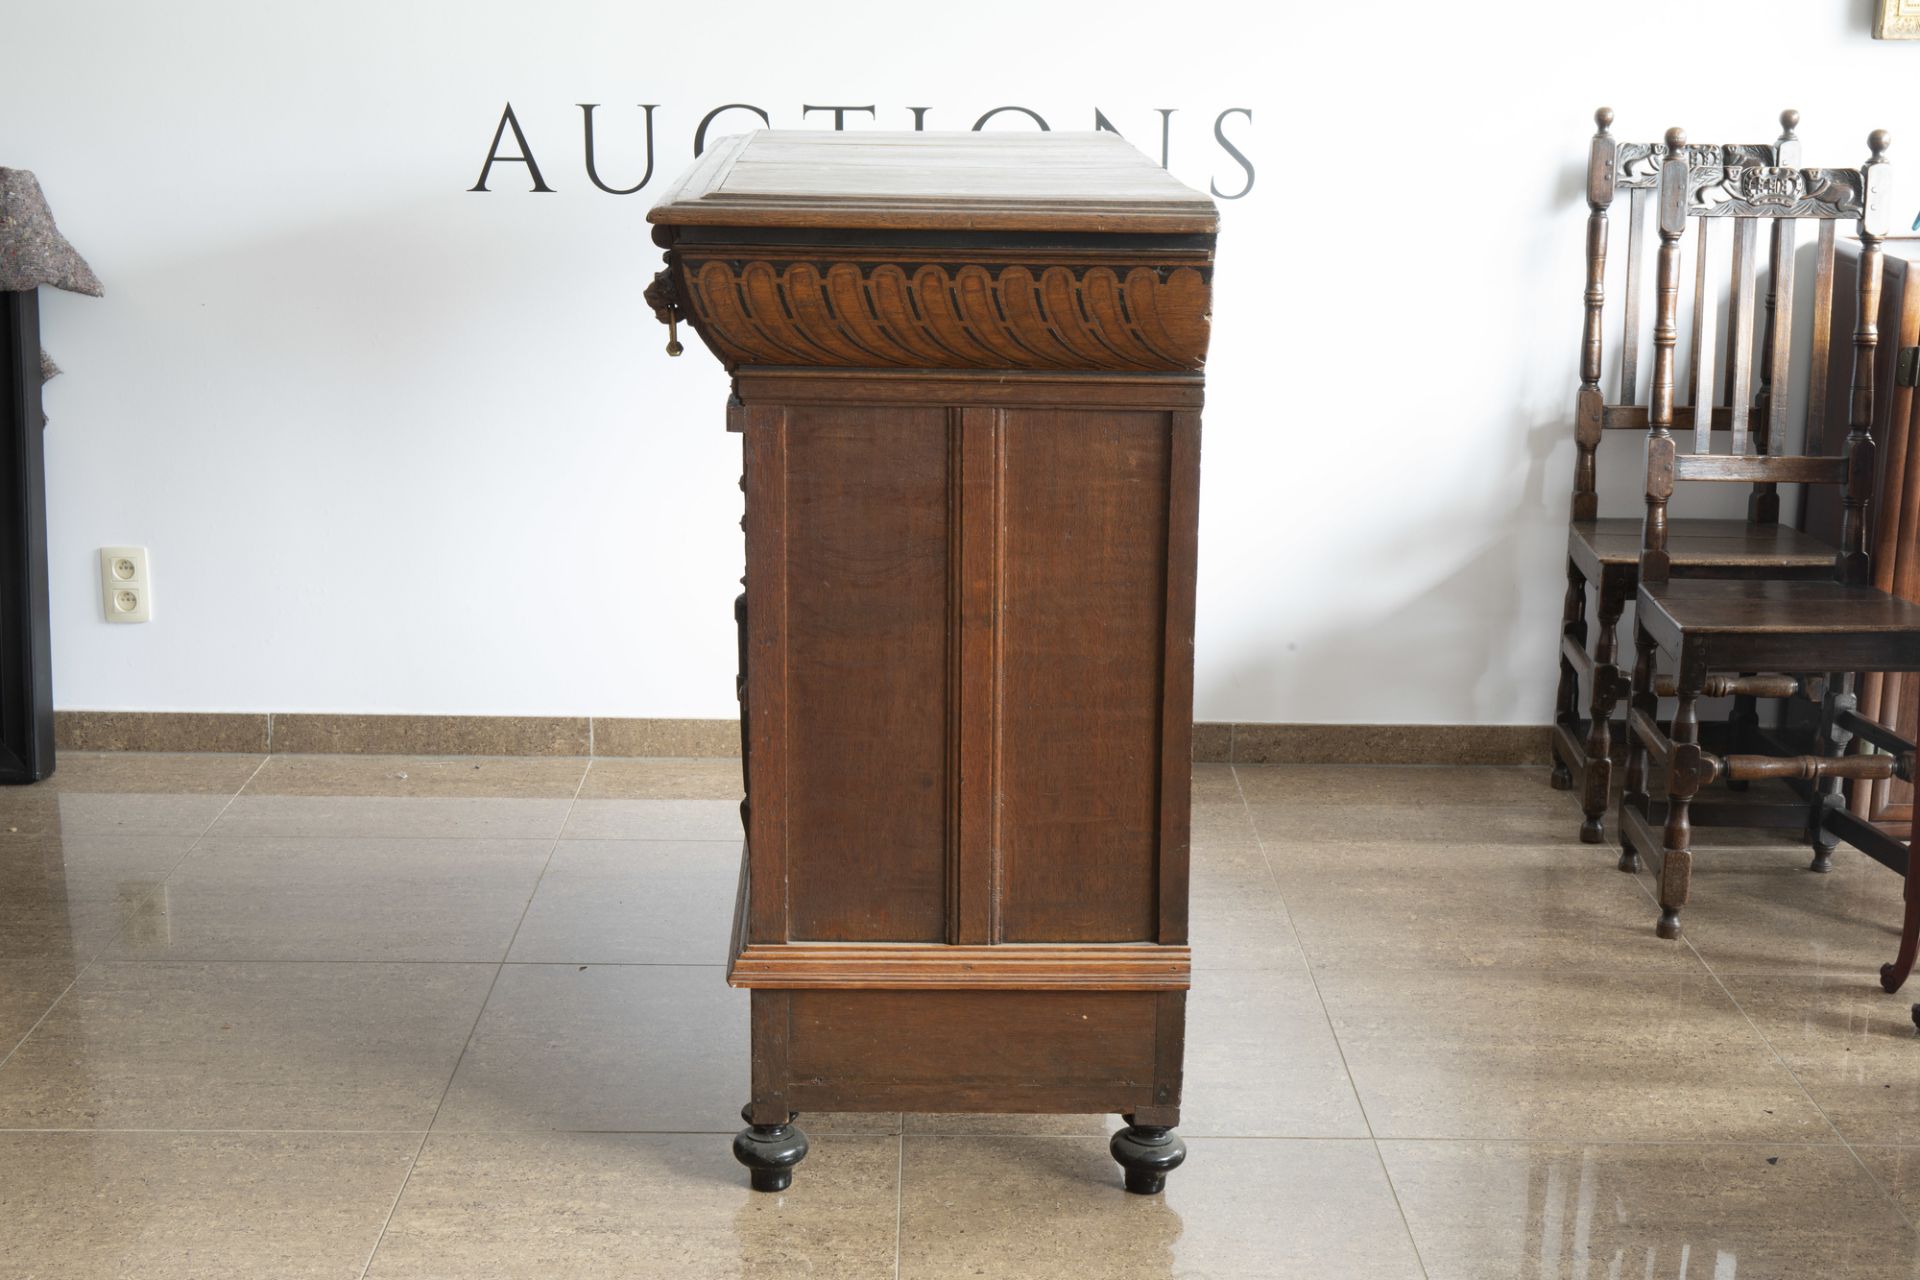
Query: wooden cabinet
{"points": [[967, 377], [1893, 698]]}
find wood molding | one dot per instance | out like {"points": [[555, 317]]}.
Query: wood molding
{"points": [[1118, 966], [945, 315]]}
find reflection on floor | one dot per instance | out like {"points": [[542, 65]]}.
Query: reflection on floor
{"points": [[370, 1016]]}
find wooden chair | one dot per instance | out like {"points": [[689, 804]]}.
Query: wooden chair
{"points": [[1605, 553], [1707, 632]]}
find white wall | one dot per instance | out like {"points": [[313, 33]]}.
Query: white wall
{"points": [[397, 446]]}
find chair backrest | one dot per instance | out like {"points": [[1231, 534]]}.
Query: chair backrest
{"points": [[1780, 196], [1635, 167]]}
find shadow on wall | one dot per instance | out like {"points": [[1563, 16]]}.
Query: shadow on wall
{"points": [[1469, 633]]}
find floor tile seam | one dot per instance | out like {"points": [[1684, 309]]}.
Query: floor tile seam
{"points": [[1350, 1139], [1345, 765], [179, 962], [47, 1012], [481, 1012], [1307, 963], [406, 1179], [1533, 970], [726, 840], [231, 833], [1406, 1224], [407, 839], [899, 1198], [1353, 1086], [1885, 1193], [173, 869], [1757, 1144], [120, 926], [109, 1129], [186, 960]]}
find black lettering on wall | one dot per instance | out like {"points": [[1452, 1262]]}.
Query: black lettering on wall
{"points": [[919, 118], [1221, 137], [981, 122], [839, 114], [593, 169], [507, 121], [700, 133], [1100, 122]]}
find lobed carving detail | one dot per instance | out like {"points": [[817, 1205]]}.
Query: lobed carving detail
{"points": [[1637, 164], [949, 316], [1770, 191]]}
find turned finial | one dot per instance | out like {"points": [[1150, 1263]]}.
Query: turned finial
{"points": [[1789, 121], [1676, 140], [1603, 118], [1877, 142]]}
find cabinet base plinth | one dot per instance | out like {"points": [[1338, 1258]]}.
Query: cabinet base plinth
{"points": [[993, 1051]]}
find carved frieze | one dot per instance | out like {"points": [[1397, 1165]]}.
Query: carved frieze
{"points": [[947, 315], [1770, 191], [1639, 163]]}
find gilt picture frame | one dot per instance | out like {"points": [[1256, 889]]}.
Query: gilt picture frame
{"points": [[1896, 20]]}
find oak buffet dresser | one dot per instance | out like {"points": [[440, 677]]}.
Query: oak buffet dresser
{"points": [[967, 377]]}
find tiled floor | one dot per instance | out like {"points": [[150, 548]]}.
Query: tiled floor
{"points": [[464, 1018]]}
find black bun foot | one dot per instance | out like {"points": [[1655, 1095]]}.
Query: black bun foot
{"points": [[1669, 926], [1629, 860], [769, 1151], [1148, 1153], [1560, 779]]}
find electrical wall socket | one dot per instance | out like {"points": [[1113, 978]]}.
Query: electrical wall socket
{"points": [[126, 586]]}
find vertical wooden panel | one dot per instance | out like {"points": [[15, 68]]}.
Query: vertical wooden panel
{"points": [[973, 842], [1176, 705], [1700, 388], [1816, 439], [1773, 434], [1082, 645], [867, 673], [1740, 334], [1638, 201], [1698, 393], [763, 438]]}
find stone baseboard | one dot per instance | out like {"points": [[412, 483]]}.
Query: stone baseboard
{"points": [[1510, 744], [306, 732], [303, 732]]}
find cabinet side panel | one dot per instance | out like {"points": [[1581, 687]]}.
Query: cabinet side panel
{"points": [[866, 673], [1082, 627]]}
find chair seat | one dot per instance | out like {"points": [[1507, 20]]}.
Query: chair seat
{"points": [[1718, 545], [1790, 625]]}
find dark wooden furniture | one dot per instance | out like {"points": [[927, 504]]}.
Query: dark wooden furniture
{"points": [[1893, 523], [967, 375], [1604, 553], [26, 646], [1710, 632]]}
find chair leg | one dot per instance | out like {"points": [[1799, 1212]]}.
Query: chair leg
{"points": [[1892, 975], [1635, 795], [1676, 861], [1566, 703], [1830, 740], [1596, 785]]}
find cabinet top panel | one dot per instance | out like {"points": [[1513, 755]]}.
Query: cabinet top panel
{"points": [[933, 181]]}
